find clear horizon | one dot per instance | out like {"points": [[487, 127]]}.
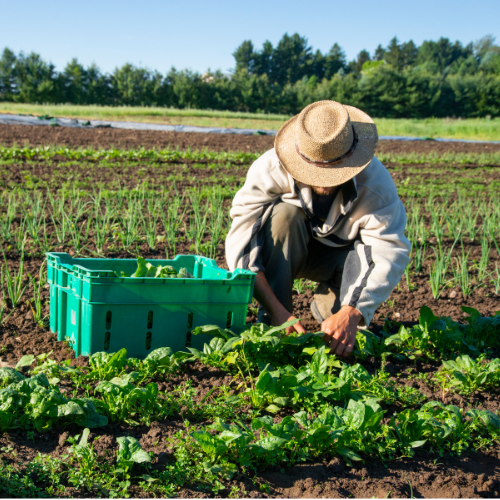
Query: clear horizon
{"points": [[200, 36]]}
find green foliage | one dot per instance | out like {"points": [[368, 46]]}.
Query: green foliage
{"points": [[123, 401], [167, 155], [349, 432], [467, 375], [436, 337], [147, 270], [106, 366], [401, 80], [34, 403], [130, 452], [10, 376]]}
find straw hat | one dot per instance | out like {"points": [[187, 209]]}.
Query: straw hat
{"points": [[326, 144]]}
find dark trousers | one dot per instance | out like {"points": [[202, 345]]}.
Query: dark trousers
{"points": [[290, 252]]}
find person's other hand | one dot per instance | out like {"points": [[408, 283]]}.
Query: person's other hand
{"points": [[283, 317], [340, 330]]}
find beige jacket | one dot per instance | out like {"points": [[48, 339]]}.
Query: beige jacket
{"points": [[367, 208]]}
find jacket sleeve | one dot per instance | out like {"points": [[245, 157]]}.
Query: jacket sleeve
{"points": [[379, 258], [266, 182]]}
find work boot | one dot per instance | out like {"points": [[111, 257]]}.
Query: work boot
{"points": [[326, 302]]}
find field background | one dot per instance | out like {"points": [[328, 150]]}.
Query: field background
{"points": [[122, 193], [481, 129]]}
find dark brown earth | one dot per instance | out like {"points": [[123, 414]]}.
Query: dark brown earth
{"points": [[473, 474], [131, 139]]}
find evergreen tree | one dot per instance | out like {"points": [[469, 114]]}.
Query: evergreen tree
{"points": [[357, 65], [379, 53], [334, 61], [8, 74], [400, 55], [245, 57], [35, 80], [442, 54]]}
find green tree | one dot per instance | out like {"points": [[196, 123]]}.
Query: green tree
{"points": [[400, 55], [35, 79], [357, 65], [245, 57], [379, 53], [442, 54], [334, 60], [136, 86], [74, 82], [291, 60], [8, 74]]}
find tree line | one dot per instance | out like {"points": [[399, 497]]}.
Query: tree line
{"points": [[403, 80]]}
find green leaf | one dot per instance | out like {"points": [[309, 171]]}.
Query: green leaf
{"points": [[426, 317], [159, 355], [281, 401], [319, 361], [348, 453], [27, 360], [355, 415], [273, 408], [212, 445], [196, 352], [10, 376], [271, 443], [417, 444], [69, 408], [490, 419], [374, 420], [130, 450], [118, 359], [309, 350], [142, 268], [263, 381], [284, 326], [92, 420]]}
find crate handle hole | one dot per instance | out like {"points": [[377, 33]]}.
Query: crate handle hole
{"points": [[107, 339], [109, 315], [149, 336], [189, 328], [150, 320], [229, 322]]}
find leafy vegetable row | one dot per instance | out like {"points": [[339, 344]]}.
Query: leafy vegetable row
{"points": [[349, 432], [165, 155]]}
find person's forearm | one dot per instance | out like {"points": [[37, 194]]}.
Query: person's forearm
{"points": [[266, 298]]}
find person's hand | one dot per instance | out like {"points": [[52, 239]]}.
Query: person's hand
{"points": [[340, 330], [282, 317]]}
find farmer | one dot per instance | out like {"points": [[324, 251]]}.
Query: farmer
{"points": [[321, 206]]}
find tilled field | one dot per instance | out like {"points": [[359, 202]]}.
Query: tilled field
{"points": [[435, 193]]}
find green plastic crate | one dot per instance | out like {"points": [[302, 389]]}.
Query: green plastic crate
{"points": [[97, 311]]}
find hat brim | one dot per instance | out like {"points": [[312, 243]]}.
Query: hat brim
{"points": [[335, 174]]}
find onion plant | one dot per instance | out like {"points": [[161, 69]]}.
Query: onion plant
{"points": [[8, 218], [461, 272], [482, 266], [438, 272], [36, 301], [14, 281], [496, 280]]}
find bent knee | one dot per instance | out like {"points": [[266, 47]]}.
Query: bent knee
{"points": [[287, 221]]}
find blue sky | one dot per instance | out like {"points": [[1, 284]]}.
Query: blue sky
{"points": [[203, 34]]}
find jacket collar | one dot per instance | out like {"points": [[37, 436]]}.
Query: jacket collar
{"points": [[347, 196]]}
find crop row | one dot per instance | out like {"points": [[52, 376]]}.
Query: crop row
{"points": [[337, 409], [46, 153]]}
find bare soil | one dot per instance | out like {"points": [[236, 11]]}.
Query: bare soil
{"points": [[471, 475], [131, 139]]}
